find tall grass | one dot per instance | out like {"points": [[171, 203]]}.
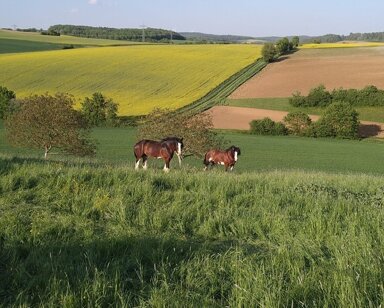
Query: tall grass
{"points": [[81, 234]]}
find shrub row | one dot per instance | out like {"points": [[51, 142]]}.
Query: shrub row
{"points": [[320, 97], [339, 120]]}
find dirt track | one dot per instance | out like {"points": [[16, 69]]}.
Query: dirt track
{"points": [[305, 69], [226, 117]]}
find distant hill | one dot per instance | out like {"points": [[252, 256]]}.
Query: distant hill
{"points": [[198, 36], [127, 34]]}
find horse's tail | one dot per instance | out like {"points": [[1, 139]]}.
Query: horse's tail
{"points": [[206, 159], [138, 149]]}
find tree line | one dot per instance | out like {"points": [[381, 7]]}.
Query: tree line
{"points": [[271, 51], [49, 122], [128, 34]]}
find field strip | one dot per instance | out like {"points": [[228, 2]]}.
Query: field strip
{"points": [[227, 117]]}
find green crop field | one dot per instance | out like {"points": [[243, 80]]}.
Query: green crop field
{"points": [[28, 39], [79, 234], [375, 114], [137, 77]]}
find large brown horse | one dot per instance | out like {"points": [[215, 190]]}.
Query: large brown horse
{"points": [[164, 149], [228, 158]]}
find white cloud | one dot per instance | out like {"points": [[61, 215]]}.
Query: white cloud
{"points": [[92, 2]]}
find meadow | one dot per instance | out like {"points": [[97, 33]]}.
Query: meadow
{"points": [[85, 234], [138, 78]]}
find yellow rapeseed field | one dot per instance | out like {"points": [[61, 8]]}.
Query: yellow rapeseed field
{"points": [[139, 78], [344, 44]]}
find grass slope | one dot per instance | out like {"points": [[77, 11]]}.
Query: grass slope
{"points": [[92, 235], [14, 46], [375, 114], [138, 78]]}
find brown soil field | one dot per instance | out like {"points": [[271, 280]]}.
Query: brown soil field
{"points": [[226, 117], [306, 69]]}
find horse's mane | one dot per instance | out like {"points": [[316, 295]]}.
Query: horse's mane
{"points": [[170, 139]]}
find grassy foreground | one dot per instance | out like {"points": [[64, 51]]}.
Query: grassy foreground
{"points": [[95, 235]]}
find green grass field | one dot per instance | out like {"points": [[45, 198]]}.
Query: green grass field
{"points": [[374, 114], [139, 78], [16, 41], [78, 234], [260, 153]]}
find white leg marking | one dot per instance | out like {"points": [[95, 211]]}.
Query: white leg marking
{"points": [[231, 168], [145, 166], [179, 148], [166, 169], [179, 157], [137, 164], [235, 155]]}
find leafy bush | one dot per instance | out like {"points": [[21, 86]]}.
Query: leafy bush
{"points": [[267, 127], [269, 52], [46, 122], [100, 110], [339, 120], [5, 97], [297, 100], [297, 123], [318, 96]]}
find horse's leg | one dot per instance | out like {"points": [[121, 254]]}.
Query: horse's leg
{"points": [[226, 167], [145, 162], [179, 157], [137, 163], [166, 165]]}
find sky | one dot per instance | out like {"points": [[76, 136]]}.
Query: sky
{"points": [[239, 17]]}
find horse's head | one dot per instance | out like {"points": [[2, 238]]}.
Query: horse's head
{"points": [[176, 144], [235, 151]]}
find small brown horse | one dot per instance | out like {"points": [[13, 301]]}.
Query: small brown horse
{"points": [[228, 158], [163, 149]]}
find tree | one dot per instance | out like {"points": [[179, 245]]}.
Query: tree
{"points": [[46, 122], [297, 122], [295, 41], [100, 110], [267, 127], [283, 46], [269, 52], [5, 98], [339, 120], [196, 130]]}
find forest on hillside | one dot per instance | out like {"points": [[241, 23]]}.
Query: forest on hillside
{"points": [[129, 34]]}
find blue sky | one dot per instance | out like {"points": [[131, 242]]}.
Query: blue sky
{"points": [[245, 17]]}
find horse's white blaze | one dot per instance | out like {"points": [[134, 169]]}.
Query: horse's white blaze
{"points": [[235, 155], [137, 164], [179, 148]]}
